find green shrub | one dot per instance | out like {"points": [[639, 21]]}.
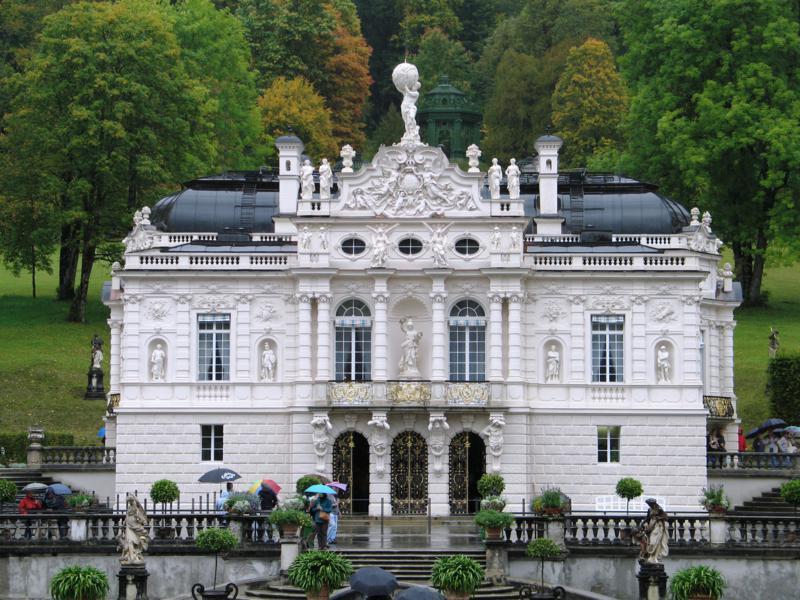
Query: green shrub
{"points": [[551, 498], [494, 519], [458, 573], [790, 492], [714, 497], [306, 481], [216, 540], [289, 516], [493, 503], [16, 444], [80, 500], [696, 580], [8, 491], [629, 488], [783, 387], [491, 485], [543, 549], [314, 569], [245, 502], [164, 491], [79, 583]]}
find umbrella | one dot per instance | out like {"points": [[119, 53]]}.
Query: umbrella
{"points": [[35, 487], [101, 433], [219, 475], [419, 592], [60, 489], [347, 594], [793, 429], [320, 489], [373, 581], [766, 426], [338, 485], [271, 485]]}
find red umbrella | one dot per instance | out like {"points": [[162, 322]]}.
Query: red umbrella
{"points": [[337, 484], [271, 485]]}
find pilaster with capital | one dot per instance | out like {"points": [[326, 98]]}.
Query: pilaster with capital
{"points": [[181, 368], [303, 337], [380, 297], [496, 336], [690, 346], [323, 336], [515, 336], [115, 325], [130, 341], [726, 386], [639, 357], [438, 371]]}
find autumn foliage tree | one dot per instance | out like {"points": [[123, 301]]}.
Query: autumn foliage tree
{"points": [[590, 103]]}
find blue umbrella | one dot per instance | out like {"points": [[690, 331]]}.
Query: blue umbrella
{"points": [[59, 489], [101, 433], [418, 592], [765, 426], [320, 489]]}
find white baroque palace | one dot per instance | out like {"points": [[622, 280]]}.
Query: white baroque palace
{"points": [[407, 326]]}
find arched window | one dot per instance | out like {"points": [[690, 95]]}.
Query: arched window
{"points": [[353, 341], [467, 342]]}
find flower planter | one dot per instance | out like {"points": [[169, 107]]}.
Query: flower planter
{"points": [[552, 512], [456, 595], [322, 594], [289, 530], [230, 592], [494, 534]]}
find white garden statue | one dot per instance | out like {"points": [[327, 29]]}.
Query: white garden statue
{"points": [[410, 349], [134, 535], [663, 365], [406, 79], [325, 180], [553, 364], [495, 174], [306, 180], [512, 178], [157, 359], [268, 362]]}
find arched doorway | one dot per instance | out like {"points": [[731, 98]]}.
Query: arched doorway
{"points": [[409, 474], [351, 466], [467, 465]]}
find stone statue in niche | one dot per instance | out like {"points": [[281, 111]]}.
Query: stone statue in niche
{"points": [[325, 180], [493, 434], [157, 359], [514, 237], [497, 237], [305, 238], [406, 79], [134, 535], [553, 374], [306, 180], [321, 439], [512, 177], [439, 247], [268, 362], [495, 173], [774, 342], [380, 245], [323, 238], [379, 440], [410, 349], [663, 364]]}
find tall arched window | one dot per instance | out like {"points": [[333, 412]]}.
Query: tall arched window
{"points": [[353, 341], [467, 342]]}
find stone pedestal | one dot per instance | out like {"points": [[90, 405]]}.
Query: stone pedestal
{"points": [[35, 439], [290, 548], [133, 582], [652, 581], [496, 562], [95, 390]]}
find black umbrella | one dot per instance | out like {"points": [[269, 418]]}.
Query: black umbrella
{"points": [[418, 592], [347, 595], [766, 426], [219, 475], [373, 581]]}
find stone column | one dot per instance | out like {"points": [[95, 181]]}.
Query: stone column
{"points": [[323, 337], [115, 325], [726, 385], [496, 337], [381, 340], [182, 365], [303, 337], [515, 337], [438, 337]]}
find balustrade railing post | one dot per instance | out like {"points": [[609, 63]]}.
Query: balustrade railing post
{"points": [[381, 517], [77, 529]]}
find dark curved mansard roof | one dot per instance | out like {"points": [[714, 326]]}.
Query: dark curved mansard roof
{"points": [[246, 201]]}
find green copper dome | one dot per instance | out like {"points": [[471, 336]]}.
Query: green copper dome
{"points": [[449, 119]]}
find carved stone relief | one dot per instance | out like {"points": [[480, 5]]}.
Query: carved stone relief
{"points": [[321, 426], [437, 428], [553, 311], [379, 440], [663, 312], [493, 434], [157, 310]]}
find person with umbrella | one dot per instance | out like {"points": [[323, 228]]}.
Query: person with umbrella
{"points": [[320, 509], [269, 499], [56, 503], [27, 504]]}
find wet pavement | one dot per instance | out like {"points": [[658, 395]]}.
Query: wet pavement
{"points": [[408, 533]]}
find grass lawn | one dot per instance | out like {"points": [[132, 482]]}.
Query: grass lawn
{"points": [[44, 359]]}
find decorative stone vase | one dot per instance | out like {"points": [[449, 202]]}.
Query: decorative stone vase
{"points": [[322, 594], [230, 592]]}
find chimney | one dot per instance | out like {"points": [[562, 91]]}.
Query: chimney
{"points": [[549, 221], [290, 149]]}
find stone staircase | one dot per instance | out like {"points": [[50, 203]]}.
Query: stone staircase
{"points": [[768, 502], [411, 567], [21, 478]]}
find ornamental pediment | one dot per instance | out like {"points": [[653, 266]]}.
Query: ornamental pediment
{"points": [[410, 180]]}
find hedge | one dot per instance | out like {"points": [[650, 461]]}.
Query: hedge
{"points": [[16, 444], [783, 388]]}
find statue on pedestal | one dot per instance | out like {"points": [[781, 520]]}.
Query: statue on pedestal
{"points": [[406, 79], [512, 177], [325, 179], [95, 388], [495, 173], [653, 536], [157, 359], [306, 180], [410, 347], [133, 537]]}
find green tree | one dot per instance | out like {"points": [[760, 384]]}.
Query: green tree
{"points": [[421, 15], [715, 115], [389, 131], [590, 103], [439, 55], [110, 114], [214, 51], [295, 104]]}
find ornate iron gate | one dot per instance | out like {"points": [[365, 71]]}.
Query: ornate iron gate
{"points": [[467, 464], [409, 474], [343, 468]]}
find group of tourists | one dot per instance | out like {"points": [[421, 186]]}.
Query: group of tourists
{"points": [[781, 444], [52, 502]]}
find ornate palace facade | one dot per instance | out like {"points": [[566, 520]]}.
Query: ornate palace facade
{"points": [[407, 326]]}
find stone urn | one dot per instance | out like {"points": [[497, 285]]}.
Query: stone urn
{"points": [[230, 592]]}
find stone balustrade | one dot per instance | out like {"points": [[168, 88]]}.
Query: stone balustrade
{"points": [[466, 394], [611, 262], [674, 241], [349, 393], [204, 261], [752, 461], [79, 456]]}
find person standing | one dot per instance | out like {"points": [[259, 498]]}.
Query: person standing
{"points": [[27, 504], [54, 502], [224, 495], [269, 499], [333, 524], [742, 440], [320, 509]]}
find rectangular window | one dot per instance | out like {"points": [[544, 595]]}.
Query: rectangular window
{"points": [[353, 353], [608, 444], [214, 347], [467, 353], [211, 442], [607, 348]]}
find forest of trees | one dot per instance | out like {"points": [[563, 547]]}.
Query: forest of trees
{"points": [[108, 106]]}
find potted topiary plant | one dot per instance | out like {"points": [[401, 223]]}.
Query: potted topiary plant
{"points": [[494, 521], [543, 549], [551, 501], [493, 503], [456, 576], [216, 540], [714, 500], [697, 583], [628, 488], [163, 492], [317, 572], [491, 485], [79, 583], [289, 520]]}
